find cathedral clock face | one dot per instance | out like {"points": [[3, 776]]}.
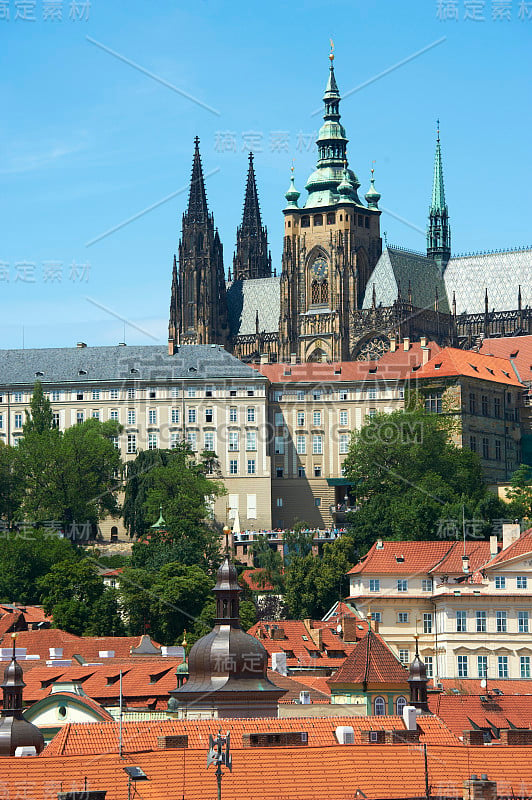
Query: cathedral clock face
{"points": [[319, 268]]}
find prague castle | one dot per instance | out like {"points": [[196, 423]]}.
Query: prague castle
{"points": [[340, 296]]}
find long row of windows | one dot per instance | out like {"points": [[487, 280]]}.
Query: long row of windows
{"points": [[463, 666], [489, 450], [402, 585], [130, 393], [479, 621]]}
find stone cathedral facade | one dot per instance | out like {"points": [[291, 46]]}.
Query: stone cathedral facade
{"points": [[340, 295]]}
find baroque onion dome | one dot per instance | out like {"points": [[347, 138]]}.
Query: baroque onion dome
{"points": [[323, 183], [227, 667], [417, 679], [252, 258], [15, 731], [372, 195], [292, 195]]}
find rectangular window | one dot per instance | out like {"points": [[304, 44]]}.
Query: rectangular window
{"points": [[174, 392], [301, 472], [56, 396], [251, 466], [233, 466], [317, 502], [522, 582], [301, 445], [342, 394], [482, 666], [498, 452], [192, 440], [402, 617], [372, 393], [502, 620], [131, 416], [113, 394], [502, 666], [152, 416], [251, 508], [376, 616], [95, 394], [372, 412], [472, 403], [300, 419], [316, 394], [522, 621], [524, 663], [374, 585], [80, 417], [251, 440], [485, 447], [152, 441], [404, 657], [191, 392], [208, 441], [279, 420], [485, 405], [343, 418], [233, 441], [131, 443], [279, 472], [462, 667], [426, 585], [113, 414], [317, 470], [55, 419], [427, 623], [18, 420], [174, 440], [191, 415], [481, 621], [279, 445], [18, 397], [279, 502], [79, 395], [95, 413], [151, 393], [130, 394], [343, 443], [429, 666], [402, 585], [316, 419], [433, 403], [300, 394], [461, 622], [317, 444], [209, 415], [115, 442], [473, 444], [497, 407], [233, 414], [251, 414], [209, 391], [500, 582], [174, 416]]}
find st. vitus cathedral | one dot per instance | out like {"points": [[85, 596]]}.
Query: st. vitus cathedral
{"points": [[340, 296]]}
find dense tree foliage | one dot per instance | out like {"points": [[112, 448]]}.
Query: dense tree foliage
{"points": [[412, 481], [520, 493], [314, 584]]}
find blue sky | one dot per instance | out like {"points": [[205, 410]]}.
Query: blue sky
{"points": [[88, 141]]}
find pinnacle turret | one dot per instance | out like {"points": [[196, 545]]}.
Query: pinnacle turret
{"points": [[197, 200], [439, 232], [252, 258]]}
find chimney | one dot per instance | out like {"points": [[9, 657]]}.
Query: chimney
{"points": [[410, 718], [465, 564], [510, 533], [293, 358], [494, 549], [378, 544], [423, 341], [279, 663], [264, 358], [426, 352], [480, 789], [406, 344], [316, 634], [393, 344], [349, 629], [171, 347], [81, 345]]}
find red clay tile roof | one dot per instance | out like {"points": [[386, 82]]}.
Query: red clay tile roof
{"points": [[472, 686], [517, 348], [478, 552], [294, 686], [297, 639], [452, 362], [39, 642], [8, 622], [520, 547], [417, 557], [371, 661], [459, 712], [85, 738], [250, 578], [88, 702]]}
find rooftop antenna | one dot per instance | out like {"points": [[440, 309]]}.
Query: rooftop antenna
{"points": [[220, 754]]}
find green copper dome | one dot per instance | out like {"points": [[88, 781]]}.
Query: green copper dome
{"points": [[372, 195], [292, 194]]}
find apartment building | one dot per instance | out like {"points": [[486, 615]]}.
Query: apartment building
{"points": [[201, 394], [470, 604]]}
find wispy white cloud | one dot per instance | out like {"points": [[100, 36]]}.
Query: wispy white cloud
{"points": [[33, 157]]}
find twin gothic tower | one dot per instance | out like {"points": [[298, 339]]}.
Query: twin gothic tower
{"points": [[331, 246]]}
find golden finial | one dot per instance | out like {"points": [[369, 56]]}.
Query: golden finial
{"points": [[373, 168], [331, 54], [184, 642]]}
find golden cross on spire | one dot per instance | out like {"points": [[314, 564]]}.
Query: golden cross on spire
{"points": [[331, 54]]}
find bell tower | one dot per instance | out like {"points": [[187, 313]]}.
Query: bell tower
{"points": [[331, 245]]}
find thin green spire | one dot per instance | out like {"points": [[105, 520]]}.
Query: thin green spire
{"points": [[438, 190]]}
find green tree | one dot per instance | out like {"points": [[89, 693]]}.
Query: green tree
{"points": [[520, 493], [269, 561], [26, 557], [39, 418], [138, 481], [411, 480], [11, 484], [314, 584]]}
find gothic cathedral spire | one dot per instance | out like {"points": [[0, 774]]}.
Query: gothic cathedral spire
{"points": [[198, 307], [439, 231], [252, 258]]}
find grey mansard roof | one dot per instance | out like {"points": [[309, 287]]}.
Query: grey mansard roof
{"points": [[397, 267], [125, 363], [245, 298], [500, 273]]}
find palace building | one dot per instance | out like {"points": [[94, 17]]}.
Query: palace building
{"points": [[339, 296]]}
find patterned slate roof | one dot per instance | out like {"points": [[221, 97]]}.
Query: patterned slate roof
{"points": [[245, 298], [400, 267], [500, 273], [91, 364]]}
